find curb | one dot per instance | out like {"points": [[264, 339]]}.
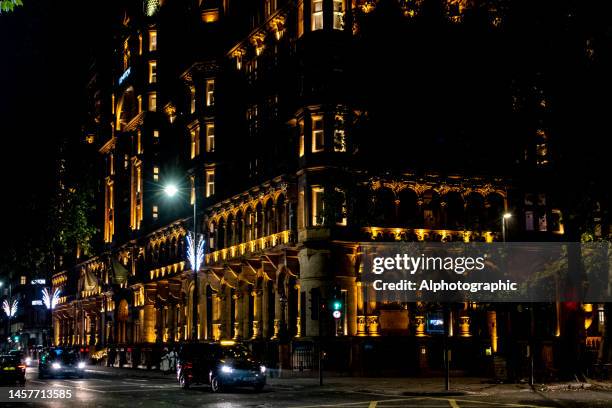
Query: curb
{"points": [[564, 387]]}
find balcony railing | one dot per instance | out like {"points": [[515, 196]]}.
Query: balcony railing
{"points": [[250, 247], [424, 234]]}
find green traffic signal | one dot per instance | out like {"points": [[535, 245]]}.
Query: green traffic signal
{"points": [[337, 305], [16, 338]]}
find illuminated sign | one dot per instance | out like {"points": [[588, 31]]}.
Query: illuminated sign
{"points": [[37, 303], [124, 76], [38, 281]]}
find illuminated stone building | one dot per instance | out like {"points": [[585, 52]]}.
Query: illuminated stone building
{"points": [[256, 111]]}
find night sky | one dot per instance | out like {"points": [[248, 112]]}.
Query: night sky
{"points": [[44, 53]]}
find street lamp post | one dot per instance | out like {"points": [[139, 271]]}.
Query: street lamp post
{"points": [[195, 255], [50, 300], [505, 217]]}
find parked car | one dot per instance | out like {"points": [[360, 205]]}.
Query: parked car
{"points": [[12, 369], [59, 361], [219, 364]]}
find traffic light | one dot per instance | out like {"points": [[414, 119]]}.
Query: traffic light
{"points": [[16, 338], [337, 303]]}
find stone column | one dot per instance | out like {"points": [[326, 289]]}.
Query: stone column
{"points": [[202, 311], [279, 320], [298, 320], [257, 313], [238, 313]]}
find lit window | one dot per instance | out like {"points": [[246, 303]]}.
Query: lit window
{"points": [[192, 101], [338, 14], [317, 206], [300, 19], [153, 101], [210, 92], [301, 210], [317, 15], [155, 173], [341, 210], [318, 138], [126, 161], [139, 44], [155, 212], [195, 142], [136, 195], [139, 98], [156, 134], [210, 182], [22, 280], [210, 137], [301, 140], [557, 222], [152, 72], [339, 136], [152, 40]]}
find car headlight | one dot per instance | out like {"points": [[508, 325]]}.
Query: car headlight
{"points": [[56, 366], [81, 365], [226, 369], [28, 360], [262, 369]]}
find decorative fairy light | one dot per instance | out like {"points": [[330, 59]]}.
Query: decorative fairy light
{"points": [[195, 253], [10, 310], [50, 300]]}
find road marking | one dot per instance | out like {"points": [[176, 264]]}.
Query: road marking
{"points": [[453, 403], [349, 404], [500, 404], [373, 404]]}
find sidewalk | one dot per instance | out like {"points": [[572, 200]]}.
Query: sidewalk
{"points": [[388, 386]]}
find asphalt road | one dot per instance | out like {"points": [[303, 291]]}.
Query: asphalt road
{"points": [[98, 390]]}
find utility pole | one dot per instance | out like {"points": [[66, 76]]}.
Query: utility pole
{"points": [[446, 349], [321, 314]]}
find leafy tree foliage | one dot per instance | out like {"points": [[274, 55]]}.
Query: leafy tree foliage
{"points": [[9, 5]]}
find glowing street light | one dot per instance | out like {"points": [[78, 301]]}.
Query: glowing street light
{"points": [[170, 190], [195, 256], [505, 217]]}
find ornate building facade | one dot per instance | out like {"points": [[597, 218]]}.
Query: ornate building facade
{"points": [[255, 112]]}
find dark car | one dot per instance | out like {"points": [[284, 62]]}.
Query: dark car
{"points": [[60, 362], [12, 370], [220, 365]]}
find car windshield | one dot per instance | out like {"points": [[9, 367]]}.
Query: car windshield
{"points": [[9, 360], [237, 352], [67, 356]]}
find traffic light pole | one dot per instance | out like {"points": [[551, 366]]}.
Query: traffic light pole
{"points": [[446, 349], [321, 313]]}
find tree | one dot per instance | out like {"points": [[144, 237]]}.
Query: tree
{"points": [[7, 6]]}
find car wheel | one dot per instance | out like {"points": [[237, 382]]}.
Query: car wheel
{"points": [[215, 384], [183, 382], [259, 387]]}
